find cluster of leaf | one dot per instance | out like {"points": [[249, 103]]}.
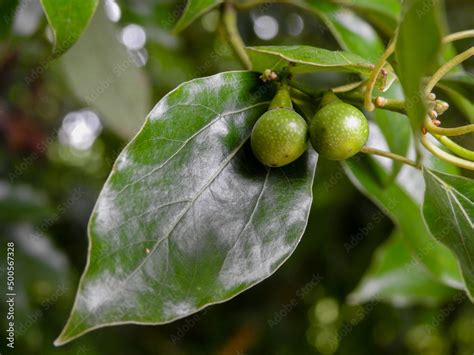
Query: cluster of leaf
{"points": [[189, 218]]}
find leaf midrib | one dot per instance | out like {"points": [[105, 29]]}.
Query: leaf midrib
{"points": [[224, 163], [184, 143]]}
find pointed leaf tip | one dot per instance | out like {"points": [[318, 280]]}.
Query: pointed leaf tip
{"points": [[188, 217]]}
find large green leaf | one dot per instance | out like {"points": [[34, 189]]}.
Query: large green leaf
{"points": [[102, 74], [448, 209], [416, 51], [188, 217], [307, 59], [194, 9], [68, 20], [396, 278], [406, 214]]}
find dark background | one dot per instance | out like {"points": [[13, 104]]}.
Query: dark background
{"points": [[49, 183]]}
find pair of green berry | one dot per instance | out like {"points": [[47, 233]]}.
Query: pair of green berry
{"points": [[337, 131]]}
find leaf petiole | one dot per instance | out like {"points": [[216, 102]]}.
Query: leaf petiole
{"points": [[462, 163], [378, 102], [455, 148], [455, 131], [390, 155]]}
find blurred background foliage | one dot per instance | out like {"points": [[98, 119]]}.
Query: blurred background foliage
{"points": [[63, 122]]}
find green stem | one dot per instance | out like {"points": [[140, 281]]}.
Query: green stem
{"points": [[368, 104], [389, 155], [455, 148], [229, 19], [329, 97], [458, 35], [282, 98], [378, 102], [446, 67], [462, 163], [455, 131], [440, 73]]}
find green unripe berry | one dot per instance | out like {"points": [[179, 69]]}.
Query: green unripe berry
{"points": [[279, 137], [338, 131]]}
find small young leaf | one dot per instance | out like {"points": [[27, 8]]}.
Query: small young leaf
{"points": [[188, 217], [425, 41], [194, 9], [448, 210], [68, 20], [406, 213], [307, 59], [396, 277]]}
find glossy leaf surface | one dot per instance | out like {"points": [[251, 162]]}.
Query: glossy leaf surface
{"points": [[188, 217]]}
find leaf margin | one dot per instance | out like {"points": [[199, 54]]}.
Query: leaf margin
{"points": [[62, 339]]}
